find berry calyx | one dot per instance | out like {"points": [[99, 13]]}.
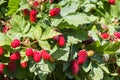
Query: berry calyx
{"points": [[54, 12], [1, 50], [15, 43], [2, 66], [45, 55], [23, 64], [15, 56], [37, 56], [29, 52]]}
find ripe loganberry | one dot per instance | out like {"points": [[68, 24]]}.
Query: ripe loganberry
{"points": [[104, 35], [112, 2], [15, 56], [23, 64], [29, 52], [1, 50], [54, 12], [82, 56], [5, 29], [12, 66], [56, 38], [15, 43], [45, 55], [51, 1], [2, 66], [35, 4], [25, 12], [74, 67], [33, 14], [117, 35], [61, 41], [37, 56], [6, 78]]}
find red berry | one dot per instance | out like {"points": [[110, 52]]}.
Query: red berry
{"points": [[15, 43], [51, 1], [61, 41], [12, 66], [82, 56], [112, 2], [15, 56], [74, 67], [1, 50], [23, 64], [36, 56], [2, 66], [104, 35], [45, 55], [56, 38], [5, 29], [54, 12], [29, 52], [25, 12], [33, 14], [6, 78], [117, 35], [35, 4]]}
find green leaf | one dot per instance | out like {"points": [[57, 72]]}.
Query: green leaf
{"points": [[19, 24], [44, 44], [56, 22], [78, 19], [49, 33], [112, 47], [103, 67], [13, 6], [87, 66], [4, 40], [60, 53], [69, 8], [118, 62], [93, 33], [98, 73], [2, 1], [37, 32]]}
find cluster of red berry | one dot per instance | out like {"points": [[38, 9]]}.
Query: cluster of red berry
{"points": [[82, 57]]}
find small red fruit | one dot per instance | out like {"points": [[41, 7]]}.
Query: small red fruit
{"points": [[37, 56], [33, 14], [23, 64], [117, 35], [35, 4], [56, 38], [15, 56], [1, 50], [74, 67], [5, 29], [104, 35], [54, 12], [61, 41], [12, 66], [112, 2], [29, 52], [82, 56], [45, 55], [25, 12], [15, 43], [2, 66]]}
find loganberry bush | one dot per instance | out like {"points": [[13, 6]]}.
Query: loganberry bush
{"points": [[59, 40]]}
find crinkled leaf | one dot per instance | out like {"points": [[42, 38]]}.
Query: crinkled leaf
{"points": [[4, 39], [49, 33], [44, 45], [78, 19], [12, 6]]}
